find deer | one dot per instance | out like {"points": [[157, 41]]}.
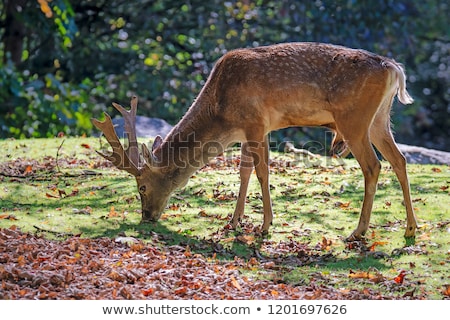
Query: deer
{"points": [[253, 91]]}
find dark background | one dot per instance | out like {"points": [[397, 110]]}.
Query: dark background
{"points": [[63, 61]]}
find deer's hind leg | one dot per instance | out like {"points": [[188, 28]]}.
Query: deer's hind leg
{"points": [[356, 133], [382, 138]]}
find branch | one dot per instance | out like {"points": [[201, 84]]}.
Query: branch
{"points": [[57, 233]]}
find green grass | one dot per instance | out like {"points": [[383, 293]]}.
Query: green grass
{"points": [[315, 208]]}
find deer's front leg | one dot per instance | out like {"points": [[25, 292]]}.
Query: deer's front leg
{"points": [[245, 171], [260, 154]]}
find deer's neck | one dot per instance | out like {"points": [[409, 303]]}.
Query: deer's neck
{"points": [[199, 136]]}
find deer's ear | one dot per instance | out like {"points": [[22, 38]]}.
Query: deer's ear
{"points": [[147, 155], [157, 143]]}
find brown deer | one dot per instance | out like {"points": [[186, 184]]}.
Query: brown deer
{"points": [[251, 92]]}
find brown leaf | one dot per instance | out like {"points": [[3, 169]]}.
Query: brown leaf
{"points": [[21, 261], [253, 261], [8, 217], [359, 275], [187, 252], [48, 195], [181, 291], [373, 277], [112, 212], [235, 283], [325, 244], [73, 193], [246, 239], [203, 214], [174, 206], [61, 193]]}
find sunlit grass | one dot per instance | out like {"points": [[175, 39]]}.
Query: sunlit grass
{"points": [[314, 206]]}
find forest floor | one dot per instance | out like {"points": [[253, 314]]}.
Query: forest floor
{"points": [[69, 229]]}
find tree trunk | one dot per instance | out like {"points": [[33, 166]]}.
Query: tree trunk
{"points": [[14, 32]]}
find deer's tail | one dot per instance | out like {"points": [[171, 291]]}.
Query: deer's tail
{"points": [[402, 93]]}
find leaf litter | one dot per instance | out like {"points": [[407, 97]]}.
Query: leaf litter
{"points": [[32, 267]]}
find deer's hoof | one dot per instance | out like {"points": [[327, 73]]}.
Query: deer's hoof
{"points": [[354, 237], [234, 223]]}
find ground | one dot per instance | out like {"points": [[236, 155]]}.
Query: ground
{"points": [[69, 229]]}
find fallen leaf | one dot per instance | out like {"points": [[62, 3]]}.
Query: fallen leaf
{"points": [[342, 205], [325, 244], [181, 291], [235, 283], [446, 290], [21, 261], [253, 261], [28, 169], [359, 275], [187, 252], [401, 276], [85, 145], [373, 277], [226, 240], [48, 195], [73, 193], [8, 217], [377, 243], [203, 214], [246, 239], [148, 292], [112, 212]]}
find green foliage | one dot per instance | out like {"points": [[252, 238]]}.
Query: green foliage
{"points": [[164, 50], [41, 106]]}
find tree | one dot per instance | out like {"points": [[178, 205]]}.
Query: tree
{"points": [[163, 50]]}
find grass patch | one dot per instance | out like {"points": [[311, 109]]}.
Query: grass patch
{"points": [[61, 188]]}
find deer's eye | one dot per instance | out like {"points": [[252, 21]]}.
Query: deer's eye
{"points": [[142, 189]]}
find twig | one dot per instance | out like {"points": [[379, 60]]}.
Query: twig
{"points": [[58, 234], [57, 155], [289, 147]]}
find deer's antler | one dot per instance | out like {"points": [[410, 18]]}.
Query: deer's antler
{"points": [[124, 159]]}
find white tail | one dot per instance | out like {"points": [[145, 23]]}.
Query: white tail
{"points": [[251, 92]]}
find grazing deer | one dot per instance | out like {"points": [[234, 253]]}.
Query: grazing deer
{"points": [[251, 92]]}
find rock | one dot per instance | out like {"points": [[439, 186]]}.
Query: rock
{"points": [[422, 155], [151, 127], [145, 127]]}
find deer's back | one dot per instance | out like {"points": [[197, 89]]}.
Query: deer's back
{"points": [[294, 83]]}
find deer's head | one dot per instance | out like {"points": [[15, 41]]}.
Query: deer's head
{"points": [[153, 179]]}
